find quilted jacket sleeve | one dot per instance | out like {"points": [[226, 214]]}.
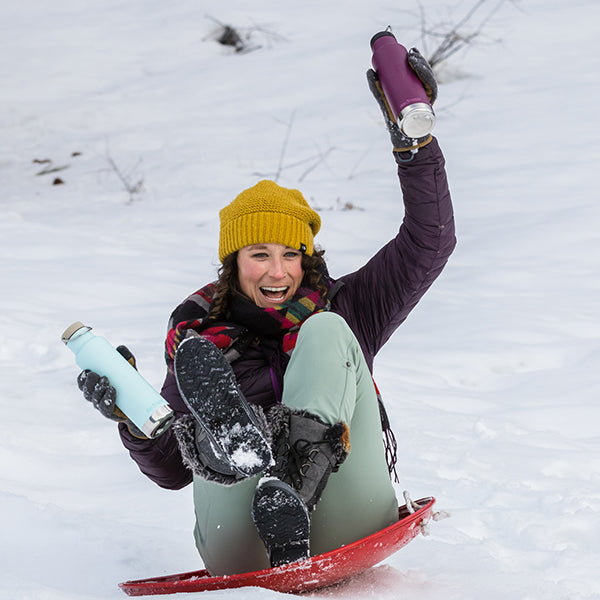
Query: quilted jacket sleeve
{"points": [[160, 459], [377, 298]]}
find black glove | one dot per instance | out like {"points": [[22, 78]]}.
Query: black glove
{"points": [[103, 396], [423, 70], [418, 63]]}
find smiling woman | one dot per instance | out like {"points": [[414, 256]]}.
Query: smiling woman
{"points": [[300, 347], [278, 422]]}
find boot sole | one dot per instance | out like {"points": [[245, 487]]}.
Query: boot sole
{"points": [[282, 521], [209, 389]]}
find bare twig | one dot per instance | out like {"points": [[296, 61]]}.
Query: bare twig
{"points": [[131, 187], [52, 169], [453, 37], [313, 161], [321, 158], [354, 172], [240, 38], [284, 146]]}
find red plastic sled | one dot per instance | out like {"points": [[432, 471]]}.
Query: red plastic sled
{"points": [[316, 572]]}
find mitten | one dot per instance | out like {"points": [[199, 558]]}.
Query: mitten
{"points": [[103, 396], [423, 70]]}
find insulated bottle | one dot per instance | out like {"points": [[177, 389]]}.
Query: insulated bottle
{"points": [[403, 89], [136, 398]]}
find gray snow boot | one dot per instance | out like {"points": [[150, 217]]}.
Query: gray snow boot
{"points": [[306, 452], [225, 439]]}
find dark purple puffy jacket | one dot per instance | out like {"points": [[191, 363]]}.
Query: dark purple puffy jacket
{"points": [[374, 301]]}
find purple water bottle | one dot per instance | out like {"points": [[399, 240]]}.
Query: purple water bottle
{"points": [[403, 89]]}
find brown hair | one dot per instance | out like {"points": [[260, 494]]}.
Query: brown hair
{"points": [[228, 283]]}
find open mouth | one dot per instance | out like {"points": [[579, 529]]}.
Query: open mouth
{"points": [[274, 294]]}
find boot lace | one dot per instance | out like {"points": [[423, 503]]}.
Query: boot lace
{"points": [[300, 456]]}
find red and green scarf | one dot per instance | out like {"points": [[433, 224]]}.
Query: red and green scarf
{"points": [[283, 321]]}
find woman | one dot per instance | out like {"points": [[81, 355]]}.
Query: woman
{"points": [[269, 371]]}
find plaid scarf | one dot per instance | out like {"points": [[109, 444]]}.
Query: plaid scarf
{"points": [[285, 320]]}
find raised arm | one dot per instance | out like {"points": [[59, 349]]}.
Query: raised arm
{"points": [[377, 298]]}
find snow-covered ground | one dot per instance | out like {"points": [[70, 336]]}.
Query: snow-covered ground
{"points": [[492, 383]]}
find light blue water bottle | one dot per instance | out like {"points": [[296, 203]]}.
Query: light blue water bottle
{"points": [[136, 398]]}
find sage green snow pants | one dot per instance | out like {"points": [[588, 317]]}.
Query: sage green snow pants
{"points": [[327, 376]]}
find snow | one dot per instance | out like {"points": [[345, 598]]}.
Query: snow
{"points": [[492, 383], [240, 443]]}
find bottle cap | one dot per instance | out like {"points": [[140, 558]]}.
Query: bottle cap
{"points": [[417, 120], [387, 32], [71, 329], [158, 422]]}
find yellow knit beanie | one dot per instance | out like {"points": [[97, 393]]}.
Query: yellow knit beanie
{"points": [[268, 214]]}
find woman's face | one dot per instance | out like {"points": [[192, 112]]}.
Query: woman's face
{"points": [[269, 274]]}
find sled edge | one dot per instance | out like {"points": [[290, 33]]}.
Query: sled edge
{"points": [[313, 574]]}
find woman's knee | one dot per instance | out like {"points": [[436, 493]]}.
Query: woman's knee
{"points": [[326, 324], [327, 334]]}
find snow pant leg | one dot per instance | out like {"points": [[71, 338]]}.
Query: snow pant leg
{"points": [[225, 534], [329, 377]]}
